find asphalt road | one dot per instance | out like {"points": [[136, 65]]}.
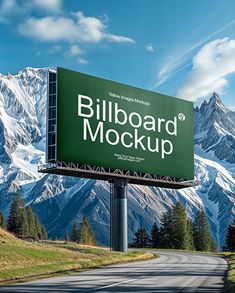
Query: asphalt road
{"points": [[172, 272]]}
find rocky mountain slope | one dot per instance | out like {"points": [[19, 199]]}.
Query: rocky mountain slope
{"points": [[59, 201]]}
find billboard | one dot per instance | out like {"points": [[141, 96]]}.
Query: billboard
{"points": [[113, 125]]}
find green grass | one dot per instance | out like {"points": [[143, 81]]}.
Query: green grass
{"points": [[230, 278], [21, 260]]}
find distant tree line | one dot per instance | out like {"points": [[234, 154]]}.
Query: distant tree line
{"points": [[82, 234], [177, 231], [22, 221]]}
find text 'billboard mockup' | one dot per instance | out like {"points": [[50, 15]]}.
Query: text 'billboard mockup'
{"points": [[108, 124]]}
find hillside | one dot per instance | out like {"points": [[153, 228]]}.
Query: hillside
{"points": [[21, 260], [59, 201], [6, 237]]}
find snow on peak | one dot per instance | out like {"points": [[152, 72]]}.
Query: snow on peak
{"points": [[216, 102], [213, 124]]}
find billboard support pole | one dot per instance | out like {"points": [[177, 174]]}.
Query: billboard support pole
{"points": [[118, 215]]}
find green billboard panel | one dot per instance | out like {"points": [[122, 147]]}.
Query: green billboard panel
{"points": [[109, 124]]}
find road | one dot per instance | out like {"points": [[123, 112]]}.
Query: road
{"points": [[172, 272]]}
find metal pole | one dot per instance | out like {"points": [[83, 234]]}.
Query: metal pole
{"points": [[119, 239], [111, 215]]}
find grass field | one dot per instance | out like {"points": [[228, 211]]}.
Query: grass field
{"points": [[230, 278], [21, 260]]}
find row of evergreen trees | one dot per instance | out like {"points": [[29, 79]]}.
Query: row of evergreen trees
{"points": [[82, 235], [22, 221], [177, 231]]}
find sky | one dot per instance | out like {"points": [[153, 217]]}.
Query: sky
{"points": [[181, 48]]}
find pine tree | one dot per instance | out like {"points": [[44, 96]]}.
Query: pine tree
{"points": [[190, 239], [24, 228], [32, 232], [214, 246], [141, 238], [66, 236], [43, 232], [39, 228], [17, 221], [202, 235], [155, 236], [12, 223], [23, 222], [2, 221], [85, 234], [180, 227], [229, 244], [166, 230], [74, 233], [176, 230]]}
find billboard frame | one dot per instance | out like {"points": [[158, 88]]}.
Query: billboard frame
{"points": [[107, 174]]}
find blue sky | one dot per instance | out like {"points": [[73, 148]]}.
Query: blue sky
{"points": [[180, 48]]}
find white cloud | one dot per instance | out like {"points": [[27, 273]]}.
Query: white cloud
{"points": [[82, 61], [180, 60], [49, 5], [73, 51], [77, 28], [55, 49], [211, 65], [118, 39], [49, 29], [174, 64], [76, 51], [149, 47], [9, 8]]}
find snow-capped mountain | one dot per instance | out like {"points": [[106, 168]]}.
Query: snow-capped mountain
{"points": [[215, 129], [59, 201]]}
